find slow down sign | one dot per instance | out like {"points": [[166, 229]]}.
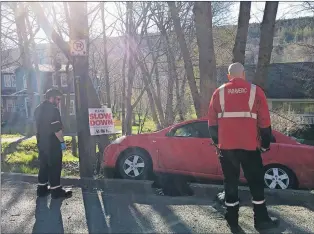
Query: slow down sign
{"points": [[100, 121]]}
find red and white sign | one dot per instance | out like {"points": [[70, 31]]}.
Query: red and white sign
{"points": [[100, 121]]}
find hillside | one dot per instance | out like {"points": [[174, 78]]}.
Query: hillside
{"points": [[293, 42]]}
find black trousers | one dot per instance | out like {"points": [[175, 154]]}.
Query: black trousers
{"points": [[252, 166], [50, 166]]}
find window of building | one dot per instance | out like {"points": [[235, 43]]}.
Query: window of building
{"points": [[9, 81], [72, 107], [11, 105], [13, 81], [64, 81]]}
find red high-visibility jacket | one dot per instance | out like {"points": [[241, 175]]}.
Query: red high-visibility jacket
{"points": [[239, 108]]}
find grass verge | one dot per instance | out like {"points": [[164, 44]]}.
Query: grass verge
{"points": [[23, 158], [5, 136]]}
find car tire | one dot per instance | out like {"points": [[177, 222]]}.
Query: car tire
{"points": [[135, 165], [279, 177]]}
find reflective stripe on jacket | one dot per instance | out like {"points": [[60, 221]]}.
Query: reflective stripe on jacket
{"points": [[239, 109]]}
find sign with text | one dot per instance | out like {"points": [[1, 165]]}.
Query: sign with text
{"points": [[78, 47], [100, 121]]}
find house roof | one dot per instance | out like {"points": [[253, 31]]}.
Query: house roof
{"points": [[42, 68], [284, 81], [50, 68], [10, 69]]}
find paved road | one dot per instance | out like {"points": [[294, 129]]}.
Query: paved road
{"points": [[99, 212]]}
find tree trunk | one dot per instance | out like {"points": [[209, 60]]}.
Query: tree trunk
{"points": [[151, 100], [242, 31], [123, 92], [79, 31], [35, 58], [107, 78], [186, 57], [131, 71], [207, 62], [156, 97], [182, 110], [172, 76], [20, 15], [68, 98], [266, 43]]}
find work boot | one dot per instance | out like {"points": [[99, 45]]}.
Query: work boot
{"points": [[262, 220], [60, 193], [43, 190], [232, 217]]}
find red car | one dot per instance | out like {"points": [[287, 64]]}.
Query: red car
{"points": [[185, 149]]}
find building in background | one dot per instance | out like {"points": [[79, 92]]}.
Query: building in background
{"points": [[290, 87], [14, 99]]}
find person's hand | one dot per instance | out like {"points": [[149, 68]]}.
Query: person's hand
{"points": [[63, 146]]}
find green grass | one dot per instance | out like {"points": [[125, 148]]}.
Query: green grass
{"points": [[23, 158], [149, 126], [11, 135]]}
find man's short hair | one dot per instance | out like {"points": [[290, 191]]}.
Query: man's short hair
{"points": [[52, 93], [236, 69]]}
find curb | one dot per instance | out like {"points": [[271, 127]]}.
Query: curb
{"points": [[143, 187], [267, 191], [109, 185]]}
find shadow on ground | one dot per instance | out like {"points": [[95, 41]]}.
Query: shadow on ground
{"points": [[96, 211], [48, 219], [120, 214]]}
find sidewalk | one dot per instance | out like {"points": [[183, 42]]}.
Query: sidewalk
{"points": [[135, 211]]}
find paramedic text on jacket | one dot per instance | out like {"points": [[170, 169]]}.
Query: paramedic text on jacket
{"points": [[238, 118]]}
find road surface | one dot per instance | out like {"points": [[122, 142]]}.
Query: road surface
{"points": [[97, 211]]}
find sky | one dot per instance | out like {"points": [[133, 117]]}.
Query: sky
{"points": [[286, 10]]}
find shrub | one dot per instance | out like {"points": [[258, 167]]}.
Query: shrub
{"points": [[287, 123]]}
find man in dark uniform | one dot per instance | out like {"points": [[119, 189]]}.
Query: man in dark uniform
{"points": [[50, 143]]}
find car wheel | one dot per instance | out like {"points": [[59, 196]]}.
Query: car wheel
{"points": [[135, 165], [279, 177]]}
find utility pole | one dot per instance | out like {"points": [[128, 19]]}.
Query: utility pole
{"points": [[79, 39]]}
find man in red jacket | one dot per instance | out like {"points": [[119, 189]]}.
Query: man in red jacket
{"points": [[238, 118]]}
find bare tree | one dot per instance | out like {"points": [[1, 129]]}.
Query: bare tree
{"points": [[207, 62], [20, 15], [131, 68], [242, 31], [107, 78], [186, 57], [266, 42]]}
